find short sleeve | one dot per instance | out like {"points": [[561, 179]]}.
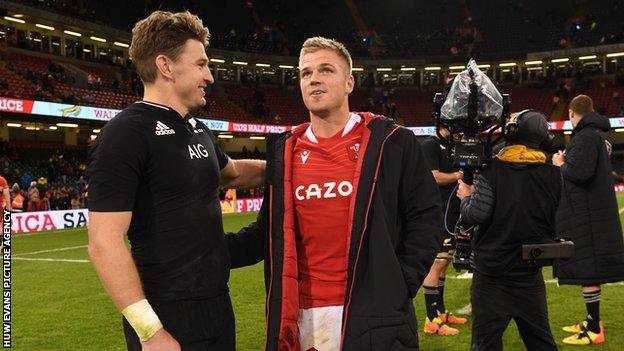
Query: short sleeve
{"points": [[116, 163], [222, 157], [431, 150]]}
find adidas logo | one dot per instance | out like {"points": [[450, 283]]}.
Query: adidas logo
{"points": [[162, 129]]}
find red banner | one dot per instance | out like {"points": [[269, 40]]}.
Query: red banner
{"points": [[16, 105]]}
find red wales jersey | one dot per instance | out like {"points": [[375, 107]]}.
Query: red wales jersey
{"points": [[3, 185], [323, 178]]}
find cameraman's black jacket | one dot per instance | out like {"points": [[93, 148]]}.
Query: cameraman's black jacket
{"points": [[395, 234], [588, 214], [514, 204]]}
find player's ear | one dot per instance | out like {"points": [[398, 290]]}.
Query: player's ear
{"points": [[350, 83], [163, 65]]}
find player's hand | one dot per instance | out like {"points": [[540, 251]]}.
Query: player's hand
{"points": [[464, 190], [558, 159], [161, 341]]}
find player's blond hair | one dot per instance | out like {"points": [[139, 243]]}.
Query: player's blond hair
{"points": [[163, 33], [315, 44]]}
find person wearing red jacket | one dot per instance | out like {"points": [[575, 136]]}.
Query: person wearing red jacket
{"points": [[349, 224]]}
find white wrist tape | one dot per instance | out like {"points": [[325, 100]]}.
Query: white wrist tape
{"points": [[143, 319]]}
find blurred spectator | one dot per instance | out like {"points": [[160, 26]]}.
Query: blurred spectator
{"points": [[64, 200], [33, 197], [90, 80], [84, 198], [75, 201], [17, 199], [26, 180], [81, 185], [88, 98], [44, 204], [98, 83], [42, 181]]}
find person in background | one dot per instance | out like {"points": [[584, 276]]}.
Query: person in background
{"points": [[33, 197], [589, 217], [17, 200], [5, 193]]}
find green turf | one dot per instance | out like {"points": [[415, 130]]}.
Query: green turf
{"points": [[62, 305]]}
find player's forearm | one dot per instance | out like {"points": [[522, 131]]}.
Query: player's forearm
{"points": [[115, 267], [442, 178], [250, 174], [120, 278]]}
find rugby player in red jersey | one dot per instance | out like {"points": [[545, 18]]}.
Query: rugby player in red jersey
{"points": [[350, 218], [5, 198]]}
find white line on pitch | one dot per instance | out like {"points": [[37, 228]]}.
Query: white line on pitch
{"points": [[467, 275], [54, 232], [49, 259], [621, 210], [51, 250]]}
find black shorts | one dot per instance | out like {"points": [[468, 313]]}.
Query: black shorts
{"points": [[447, 250], [195, 324]]}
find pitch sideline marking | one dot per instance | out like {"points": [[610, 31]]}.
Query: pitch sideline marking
{"points": [[50, 259], [51, 250], [54, 232], [467, 275]]}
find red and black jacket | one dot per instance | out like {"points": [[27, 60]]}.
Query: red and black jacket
{"points": [[395, 221]]}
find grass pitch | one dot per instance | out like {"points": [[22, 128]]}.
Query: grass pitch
{"points": [[59, 304]]}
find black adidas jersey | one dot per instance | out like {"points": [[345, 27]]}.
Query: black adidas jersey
{"points": [[437, 158], [166, 170]]}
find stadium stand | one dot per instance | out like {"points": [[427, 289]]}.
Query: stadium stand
{"points": [[434, 32]]}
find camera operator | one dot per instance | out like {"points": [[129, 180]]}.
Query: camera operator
{"points": [[513, 202]]}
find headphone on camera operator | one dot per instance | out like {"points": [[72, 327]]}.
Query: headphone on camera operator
{"points": [[512, 134]]}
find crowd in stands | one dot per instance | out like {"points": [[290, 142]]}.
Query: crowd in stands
{"points": [[389, 29], [277, 26], [38, 197], [399, 29], [55, 183], [75, 8], [256, 100]]}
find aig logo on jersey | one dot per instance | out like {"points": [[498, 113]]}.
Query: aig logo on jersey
{"points": [[326, 191], [197, 151]]}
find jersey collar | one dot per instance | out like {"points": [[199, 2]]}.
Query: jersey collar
{"points": [[354, 119], [187, 119]]}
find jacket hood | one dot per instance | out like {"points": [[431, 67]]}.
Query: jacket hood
{"points": [[595, 120]]}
